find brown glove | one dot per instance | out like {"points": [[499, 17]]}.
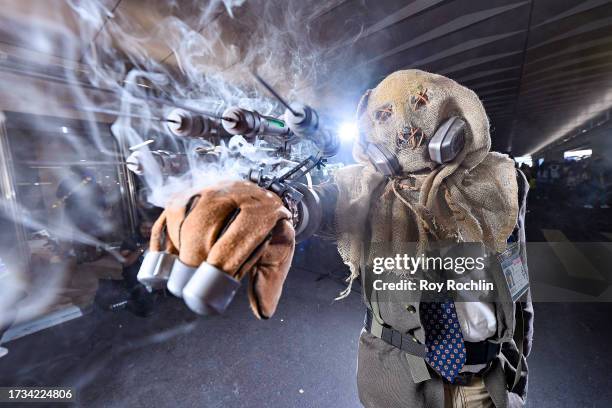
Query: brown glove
{"points": [[235, 227]]}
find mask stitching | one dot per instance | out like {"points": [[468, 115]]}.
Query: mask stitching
{"points": [[412, 136], [420, 99]]}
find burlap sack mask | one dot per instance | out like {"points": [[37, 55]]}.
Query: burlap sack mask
{"points": [[471, 199]]}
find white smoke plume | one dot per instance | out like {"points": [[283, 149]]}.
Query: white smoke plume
{"points": [[97, 56]]}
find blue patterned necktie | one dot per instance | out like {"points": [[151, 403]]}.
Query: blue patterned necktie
{"points": [[446, 349]]}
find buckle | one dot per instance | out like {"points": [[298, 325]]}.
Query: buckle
{"points": [[394, 337]]}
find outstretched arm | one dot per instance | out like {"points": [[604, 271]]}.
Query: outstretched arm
{"points": [[207, 243], [317, 212]]}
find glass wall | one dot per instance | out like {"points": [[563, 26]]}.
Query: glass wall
{"points": [[57, 162], [72, 202]]}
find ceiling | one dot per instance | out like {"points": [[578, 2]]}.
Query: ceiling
{"points": [[541, 67]]}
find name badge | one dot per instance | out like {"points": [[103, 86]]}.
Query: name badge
{"points": [[515, 272]]}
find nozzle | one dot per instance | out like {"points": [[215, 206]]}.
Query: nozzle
{"points": [[134, 163], [169, 163], [306, 124], [183, 123], [251, 124], [302, 119]]}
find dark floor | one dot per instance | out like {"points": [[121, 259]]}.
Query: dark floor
{"points": [[303, 357]]}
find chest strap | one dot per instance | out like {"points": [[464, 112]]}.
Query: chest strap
{"points": [[404, 342], [481, 352]]}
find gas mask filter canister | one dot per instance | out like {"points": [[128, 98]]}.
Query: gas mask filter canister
{"points": [[446, 143]]}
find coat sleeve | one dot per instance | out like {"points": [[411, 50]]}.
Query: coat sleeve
{"points": [[524, 312], [517, 393], [328, 195]]}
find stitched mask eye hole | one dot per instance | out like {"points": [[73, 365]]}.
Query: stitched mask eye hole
{"points": [[384, 113]]}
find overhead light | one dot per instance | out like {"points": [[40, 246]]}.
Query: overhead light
{"points": [[524, 160], [577, 154], [64, 129], [348, 131]]}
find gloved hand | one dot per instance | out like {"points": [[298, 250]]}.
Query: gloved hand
{"points": [[220, 234]]}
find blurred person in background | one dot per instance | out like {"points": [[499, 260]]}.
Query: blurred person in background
{"points": [[555, 191], [129, 293], [144, 209], [597, 183], [85, 207], [571, 182], [543, 181]]}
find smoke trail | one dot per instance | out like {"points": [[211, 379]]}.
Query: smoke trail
{"points": [[102, 56], [213, 56]]}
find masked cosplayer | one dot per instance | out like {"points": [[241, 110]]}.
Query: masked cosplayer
{"points": [[424, 179]]}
